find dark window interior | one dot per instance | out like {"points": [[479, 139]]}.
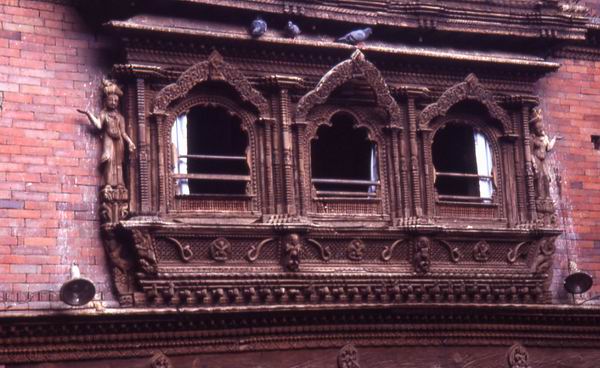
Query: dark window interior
{"points": [[453, 151], [342, 153], [214, 131]]}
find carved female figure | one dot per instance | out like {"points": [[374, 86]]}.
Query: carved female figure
{"points": [[112, 125], [541, 144]]}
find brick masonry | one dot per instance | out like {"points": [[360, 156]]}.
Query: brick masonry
{"points": [[49, 66], [571, 105]]}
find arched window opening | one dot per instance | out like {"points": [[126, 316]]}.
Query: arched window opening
{"points": [[344, 161], [209, 152], [462, 157]]}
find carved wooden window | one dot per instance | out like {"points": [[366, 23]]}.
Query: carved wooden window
{"points": [[344, 160], [211, 156], [463, 161], [209, 153]]}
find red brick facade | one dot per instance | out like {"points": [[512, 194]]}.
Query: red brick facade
{"points": [[571, 102], [50, 64]]}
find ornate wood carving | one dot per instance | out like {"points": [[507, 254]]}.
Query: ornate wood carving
{"points": [[215, 68], [348, 357], [342, 73], [160, 360], [517, 356], [470, 89]]}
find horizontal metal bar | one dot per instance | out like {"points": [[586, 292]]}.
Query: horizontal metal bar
{"points": [[214, 157], [344, 194], [463, 175], [222, 177], [345, 181], [464, 198]]}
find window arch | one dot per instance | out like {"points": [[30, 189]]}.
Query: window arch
{"points": [[209, 152], [463, 161], [344, 161]]}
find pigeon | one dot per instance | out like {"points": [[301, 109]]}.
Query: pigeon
{"points": [[258, 27], [292, 30], [356, 36]]}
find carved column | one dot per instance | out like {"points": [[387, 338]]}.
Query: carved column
{"points": [[525, 109], [396, 187], [162, 180], [414, 157], [267, 166], [304, 185], [283, 145], [287, 142], [427, 174], [143, 147]]}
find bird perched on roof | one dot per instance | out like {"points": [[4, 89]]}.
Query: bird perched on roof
{"points": [[356, 36], [258, 27], [292, 30]]}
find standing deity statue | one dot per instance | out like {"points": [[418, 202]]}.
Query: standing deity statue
{"points": [[114, 136], [541, 144]]}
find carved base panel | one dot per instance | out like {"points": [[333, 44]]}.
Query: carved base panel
{"points": [[410, 336], [249, 269]]}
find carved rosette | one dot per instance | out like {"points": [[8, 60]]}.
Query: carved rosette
{"points": [[160, 360], [348, 357], [220, 249], [518, 357], [481, 251], [356, 250]]}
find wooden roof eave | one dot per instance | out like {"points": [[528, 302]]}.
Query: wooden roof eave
{"points": [[129, 27]]}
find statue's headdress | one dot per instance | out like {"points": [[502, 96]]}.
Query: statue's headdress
{"points": [[111, 88]]}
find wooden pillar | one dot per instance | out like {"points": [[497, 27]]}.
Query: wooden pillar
{"points": [[143, 148], [414, 158], [395, 184], [528, 164]]}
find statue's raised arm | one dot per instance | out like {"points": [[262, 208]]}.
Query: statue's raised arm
{"points": [[92, 118], [111, 124]]}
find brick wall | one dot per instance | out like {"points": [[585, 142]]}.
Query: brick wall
{"points": [[48, 152], [49, 66], [571, 105]]}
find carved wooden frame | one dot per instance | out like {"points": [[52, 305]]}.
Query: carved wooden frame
{"points": [[178, 97], [492, 135], [362, 119], [248, 125], [434, 116]]}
